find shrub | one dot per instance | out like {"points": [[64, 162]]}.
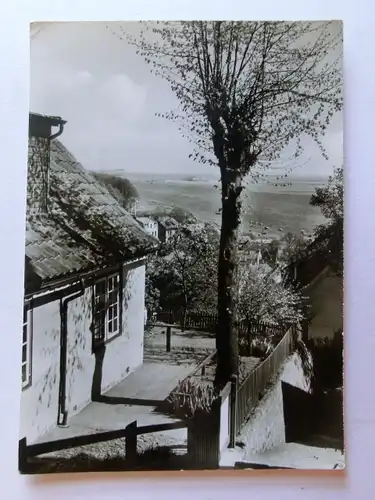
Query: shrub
{"points": [[261, 347], [189, 398]]}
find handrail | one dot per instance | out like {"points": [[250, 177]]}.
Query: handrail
{"points": [[267, 358], [131, 430]]}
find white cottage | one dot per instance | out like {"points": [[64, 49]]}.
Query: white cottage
{"points": [[85, 257], [149, 225]]}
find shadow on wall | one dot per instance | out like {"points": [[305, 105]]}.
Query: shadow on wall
{"points": [[265, 428], [96, 387], [313, 419]]}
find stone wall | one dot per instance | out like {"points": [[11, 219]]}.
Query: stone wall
{"points": [[266, 427], [37, 175]]}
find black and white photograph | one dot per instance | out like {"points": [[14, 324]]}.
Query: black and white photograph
{"points": [[183, 291]]}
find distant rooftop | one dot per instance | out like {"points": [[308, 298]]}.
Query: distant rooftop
{"points": [[168, 222]]}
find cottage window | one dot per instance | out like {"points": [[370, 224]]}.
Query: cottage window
{"points": [[106, 309], [26, 348]]}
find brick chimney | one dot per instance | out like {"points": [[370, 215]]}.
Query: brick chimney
{"points": [[40, 136]]}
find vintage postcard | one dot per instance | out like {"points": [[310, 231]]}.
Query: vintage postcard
{"points": [[183, 297]]}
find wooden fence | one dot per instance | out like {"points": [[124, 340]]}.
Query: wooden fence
{"points": [[247, 330], [252, 388], [209, 434], [129, 434]]}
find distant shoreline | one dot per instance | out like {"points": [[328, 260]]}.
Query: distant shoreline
{"points": [[281, 210], [209, 177]]}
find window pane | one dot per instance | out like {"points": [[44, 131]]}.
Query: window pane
{"points": [[113, 297], [24, 353], [25, 314], [100, 288], [111, 283], [24, 334], [115, 327], [99, 325], [24, 374], [110, 327]]}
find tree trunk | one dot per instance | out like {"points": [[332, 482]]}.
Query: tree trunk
{"points": [[227, 329], [184, 311]]}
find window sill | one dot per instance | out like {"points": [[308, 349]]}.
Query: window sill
{"points": [[26, 386], [97, 345]]}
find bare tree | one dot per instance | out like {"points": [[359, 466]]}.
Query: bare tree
{"points": [[246, 90]]}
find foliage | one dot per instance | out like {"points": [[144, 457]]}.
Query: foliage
{"points": [[306, 359], [292, 246], [262, 298], [189, 398], [120, 188], [152, 293], [260, 347], [181, 215], [270, 251], [188, 266], [246, 90], [330, 236], [330, 198], [247, 82]]}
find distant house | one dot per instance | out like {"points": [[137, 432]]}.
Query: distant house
{"points": [[326, 296], [167, 227], [149, 225], [83, 321], [322, 283]]}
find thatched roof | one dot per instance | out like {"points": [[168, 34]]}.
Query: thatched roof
{"points": [[85, 227]]}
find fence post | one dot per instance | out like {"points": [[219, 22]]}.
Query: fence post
{"points": [[131, 443], [168, 340], [233, 411], [22, 455]]}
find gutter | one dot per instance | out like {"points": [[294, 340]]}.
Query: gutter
{"points": [[61, 124], [62, 415], [60, 284]]}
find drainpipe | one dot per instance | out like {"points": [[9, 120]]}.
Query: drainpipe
{"points": [[59, 132], [62, 415]]}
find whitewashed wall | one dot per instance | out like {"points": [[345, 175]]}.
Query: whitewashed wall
{"points": [[224, 425], [39, 402]]}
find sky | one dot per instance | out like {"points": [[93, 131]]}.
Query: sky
{"points": [[90, 77]]}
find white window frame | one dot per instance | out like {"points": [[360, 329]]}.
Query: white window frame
{"points": [[111, 321], [26, 348]]}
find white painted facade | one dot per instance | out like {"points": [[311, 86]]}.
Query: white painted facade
{"points": [[149, 225], [39, 401], [224, 425]]}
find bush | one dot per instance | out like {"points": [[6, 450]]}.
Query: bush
{"points": [[261, 347], [119, 187], [189, 398]]}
